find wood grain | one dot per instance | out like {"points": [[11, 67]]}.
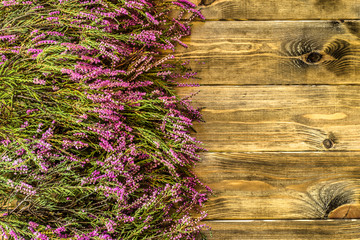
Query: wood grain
{"points": [[279, 152], [285, 230], [349, 211], [279, 9], [268, 185], [274, 52], [278, 118]]}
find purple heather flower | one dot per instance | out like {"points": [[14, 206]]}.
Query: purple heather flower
{"points": [[7, 37], [39, 81], [152, 19], [117, 129], [33, 225], [55, 12]]}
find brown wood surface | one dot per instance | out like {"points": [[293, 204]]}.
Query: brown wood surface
{"points": [[281, 105], [350, 211], [286, 230], [274, 52], [275, 185], [279, 9], [278, 118]]}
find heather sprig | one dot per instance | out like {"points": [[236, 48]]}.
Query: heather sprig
{"points": [[94, 142]]}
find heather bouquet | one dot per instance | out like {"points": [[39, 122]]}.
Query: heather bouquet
{"points": [[94, 142]]}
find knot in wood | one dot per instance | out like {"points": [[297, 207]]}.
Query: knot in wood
{"points": [[349, 211], [314, 57], [328, 143], [206, 2]]}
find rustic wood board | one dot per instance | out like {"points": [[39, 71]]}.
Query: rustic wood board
{"points": [[274, 52], [274, 185], [279, 9], [285, 230], [280, 148], [278, 118]]}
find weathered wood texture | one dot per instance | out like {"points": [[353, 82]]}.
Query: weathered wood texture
{"points": [[270, 185], [281, 105], [286, 230], [279, 9], [275, 52], [278, 118]]}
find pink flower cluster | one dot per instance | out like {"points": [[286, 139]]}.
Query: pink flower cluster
{"points": [[102, 118]]}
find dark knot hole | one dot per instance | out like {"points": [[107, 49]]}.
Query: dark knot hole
{"points": [[328, 143], [314, 57]]}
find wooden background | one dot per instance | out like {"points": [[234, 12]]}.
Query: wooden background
{"points": [[281, 97]]}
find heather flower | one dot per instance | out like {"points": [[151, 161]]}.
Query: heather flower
{"points": [[33, 225], [95, 142], [39, 81], [7, 37], [151, 18]]}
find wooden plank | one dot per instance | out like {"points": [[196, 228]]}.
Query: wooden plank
{"points": [[279, 9], [285, 230], [274, 52], [278, 118], [268, 185]]}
